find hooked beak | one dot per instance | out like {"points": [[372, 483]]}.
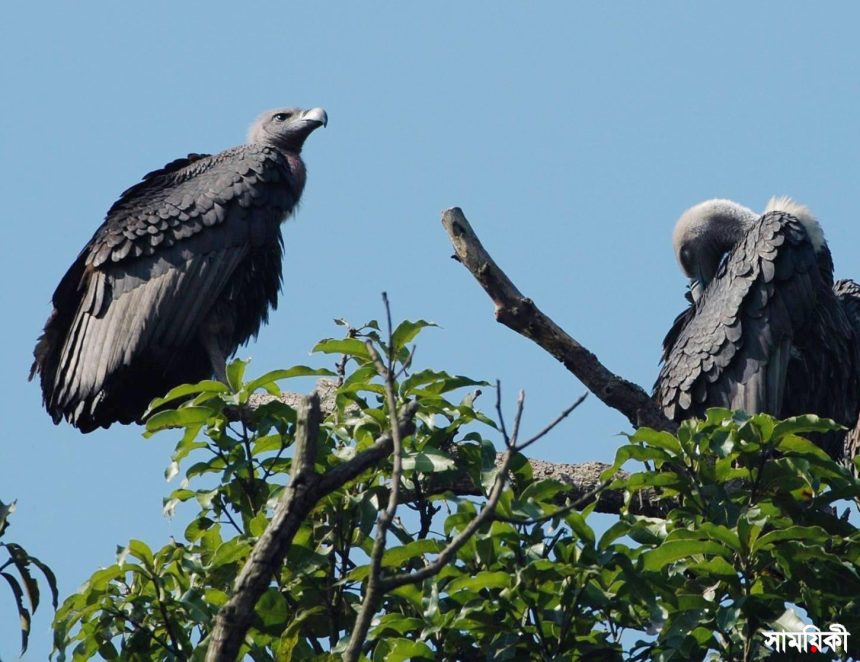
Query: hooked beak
{"points": [[317, 115], [697, 288]]}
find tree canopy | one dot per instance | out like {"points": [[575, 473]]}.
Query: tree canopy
{"points": [[748, 537]]}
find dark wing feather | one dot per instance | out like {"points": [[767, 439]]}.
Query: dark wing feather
{"points": [[677, 327], [848, 294], [146, 181], [174, 249], [734, 349]]}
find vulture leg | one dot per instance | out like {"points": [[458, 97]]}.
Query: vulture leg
{"points": [[219, 362], [217, 356]]}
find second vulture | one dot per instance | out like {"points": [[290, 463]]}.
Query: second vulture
{"points": [[183, 270], [767, 330]]}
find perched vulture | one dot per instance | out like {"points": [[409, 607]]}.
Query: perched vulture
{"points": [[767, 329], [183, 270]]}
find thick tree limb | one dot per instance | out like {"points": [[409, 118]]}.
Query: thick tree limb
{"points": [[580, 479], [520, 314]]}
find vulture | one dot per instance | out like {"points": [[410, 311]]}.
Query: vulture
{"points": [[183, 270], [767, 329]]}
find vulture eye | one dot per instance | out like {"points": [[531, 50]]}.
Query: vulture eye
{"points": [[281, 117]]}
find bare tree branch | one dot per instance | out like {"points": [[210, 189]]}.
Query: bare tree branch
{"points": [[520, 313]]}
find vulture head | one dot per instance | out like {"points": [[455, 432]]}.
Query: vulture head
{"points": [[286, 128], [710, 229]]}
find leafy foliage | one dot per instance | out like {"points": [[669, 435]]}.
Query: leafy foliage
{"points": [[751, 533], [25, 583], [748, 534]]}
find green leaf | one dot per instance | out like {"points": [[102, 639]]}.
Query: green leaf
{"points": [[811, 533], [395, 622], [676, 550], [349, 346], [717, 416], [802, 424], [398, 649], [21, 560], [580, 527], [230, 552], [543, 491], [107, 650], [141, 551], [428, 461], [295, 371], [642, 454], [663, 440], [258, 524], [101, 578], [618, 529], [791, 443], [406, 332], [236, 373], [49, 577], [396, 557], [716, 568], [665, 479], [187, 444], [411, 594], [648, 530], [185, 390], [268, 443], [177, 418], [479, 581], [23, 614], [272, 609], [722, 534], [290, 638], [195, 530]]}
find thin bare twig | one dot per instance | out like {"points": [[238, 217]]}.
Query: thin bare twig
{"points": [[573, 505], [434, 567], [518, 417], [563, 415], [486, 513]]}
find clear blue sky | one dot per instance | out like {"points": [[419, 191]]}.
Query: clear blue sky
{"points": [[572, 134]]}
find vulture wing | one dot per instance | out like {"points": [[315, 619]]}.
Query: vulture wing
{"points": [[174, 250], [735, 346], [848, 294]]}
